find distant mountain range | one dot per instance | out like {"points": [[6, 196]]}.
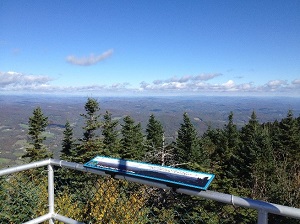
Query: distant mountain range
{"points": [[204, 111]]}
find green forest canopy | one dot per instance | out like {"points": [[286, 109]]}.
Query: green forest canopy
{"points": [[259, 160]]}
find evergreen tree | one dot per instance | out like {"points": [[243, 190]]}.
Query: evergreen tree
{"points": [[89, 147], [91, 144], [290, 138], [232, 162], [215, 142], [91, 119], [275, 137], [37, 125], [187, 143], [263, 173], [256, 172], [224, 160], [232, 134], [154, 133], [109, 131], [67, 142], [65, 177], [157, 150], [249, 150], [132, 139]]}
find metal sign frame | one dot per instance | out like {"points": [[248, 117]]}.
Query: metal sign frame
{"points": [[173, 177]]}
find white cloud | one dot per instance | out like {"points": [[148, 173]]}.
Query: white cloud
{"points": [[188, 78], [296, 82], [206, 76], [229, 84], [199, 84], [91, 60], [246, 86], [119, 86], [19, 82], [188, 83], [14, 80], [274, 84]]}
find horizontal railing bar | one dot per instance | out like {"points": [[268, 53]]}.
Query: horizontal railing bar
{"points": [[76, 166], [65, 219], [40, 219], [245, 202], [24, 167]]}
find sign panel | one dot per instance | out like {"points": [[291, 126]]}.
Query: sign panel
{"points": [[171, 176]]}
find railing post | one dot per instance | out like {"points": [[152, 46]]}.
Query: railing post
{"points": [[51, 191], [262, 217]]}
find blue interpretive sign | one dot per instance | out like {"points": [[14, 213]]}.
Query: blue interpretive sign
{"points": [[168, 175]]}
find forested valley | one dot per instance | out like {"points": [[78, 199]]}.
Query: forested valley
{"points": [[259, 160]]}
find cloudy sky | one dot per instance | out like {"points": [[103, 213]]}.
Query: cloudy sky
{"points": [[157, 47]]}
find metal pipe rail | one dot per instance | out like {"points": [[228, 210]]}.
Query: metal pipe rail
{"points": [[262, 207]]}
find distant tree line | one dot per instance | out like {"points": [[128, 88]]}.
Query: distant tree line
{"points": [[259, 160]]}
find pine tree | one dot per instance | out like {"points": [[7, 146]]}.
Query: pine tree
{"points": [[233, 162], [249, 150], [214, 141], [37, 125], [67, 142], [91, 144], [154, 133], [109, 131], [257, 160], [91, 119], [157, 150], [263, 173], [232, 134], [65, 176], [290, 138], [187, 143], [132, 139], [224, 159], [89, 147]]}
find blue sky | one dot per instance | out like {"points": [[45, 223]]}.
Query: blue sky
{"points": [[157, 47]]}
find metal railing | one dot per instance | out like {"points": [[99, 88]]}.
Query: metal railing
{"points": [[66, 192]]}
